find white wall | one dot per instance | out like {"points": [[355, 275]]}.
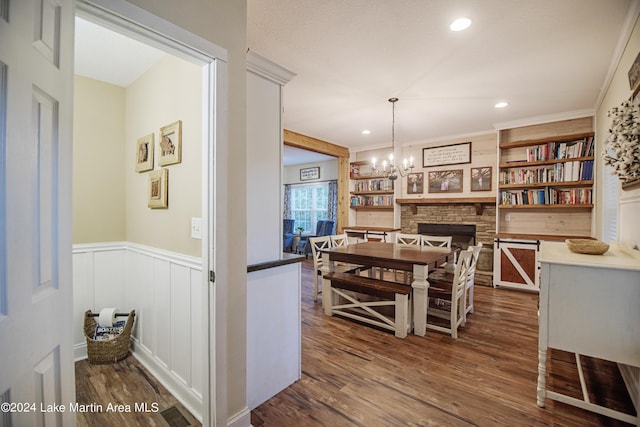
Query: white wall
{"points": [[264, 157], [328, 172], [629, 200]]}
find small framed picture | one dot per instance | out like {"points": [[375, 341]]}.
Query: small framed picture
{"points": [[415, 183], [449, 181], [170, 144], [144, 153], [159, 189], [481, 179], [307, 174]]}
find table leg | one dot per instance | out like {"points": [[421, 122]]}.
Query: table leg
{"points": [[542, 372], [420, 287]]}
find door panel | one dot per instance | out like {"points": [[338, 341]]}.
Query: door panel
{"points": [[516, 265], [36, 81]]}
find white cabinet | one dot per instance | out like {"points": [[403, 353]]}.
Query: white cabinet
{"points": [[589, 306], [516, 264]]}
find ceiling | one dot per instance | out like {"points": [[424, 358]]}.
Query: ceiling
{"points": [[544, 57]]}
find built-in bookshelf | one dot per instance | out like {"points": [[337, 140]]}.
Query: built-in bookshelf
{"points": [[547, 173], [370, 191], [545, 192]]}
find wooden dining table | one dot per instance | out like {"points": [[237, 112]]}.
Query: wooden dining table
{"points": [[395, 256]]}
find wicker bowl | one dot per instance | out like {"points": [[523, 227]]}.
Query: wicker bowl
{"points": [[587, 246]]}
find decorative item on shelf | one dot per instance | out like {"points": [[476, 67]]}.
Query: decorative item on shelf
{"points": [[622, 148], [587, 246], [391, 171]]}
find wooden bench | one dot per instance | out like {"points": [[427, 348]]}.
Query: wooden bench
{"points": [[337, 301]]}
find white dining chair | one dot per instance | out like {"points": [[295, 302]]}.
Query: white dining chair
{"points": [[317, 245], [447, 299], [409, 239], [338, 240]]}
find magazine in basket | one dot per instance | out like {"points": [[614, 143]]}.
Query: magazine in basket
{"points": [[105, 333]]}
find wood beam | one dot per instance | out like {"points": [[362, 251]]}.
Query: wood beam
{"points": [[313, 144]]}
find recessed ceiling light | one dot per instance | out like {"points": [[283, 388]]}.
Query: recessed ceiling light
{"points": [[501, 104], [460, 24], [366, 132]]}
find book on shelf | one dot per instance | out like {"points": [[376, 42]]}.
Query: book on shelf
{"points": [[547, 196], [364, 201]]}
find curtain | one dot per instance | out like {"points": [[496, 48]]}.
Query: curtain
{"points": [[333, 200], [286, 213]]}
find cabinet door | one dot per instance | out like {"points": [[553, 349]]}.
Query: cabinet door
{"points": [[516, 264]]}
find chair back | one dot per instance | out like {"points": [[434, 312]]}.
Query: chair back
{"points": [[437, 241], [287, 226], [324, 228], [317, 245], [475, 251], [461, 276], [409, 239], [338, 240]]}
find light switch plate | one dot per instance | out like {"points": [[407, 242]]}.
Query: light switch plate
{"points": [[196, 228]]}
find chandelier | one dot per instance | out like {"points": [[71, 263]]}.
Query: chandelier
{"points": [[390, 170]]}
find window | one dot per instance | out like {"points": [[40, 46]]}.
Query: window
{"points": [[610, 205], [309, 203]]}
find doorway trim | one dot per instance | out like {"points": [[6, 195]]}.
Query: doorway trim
{"points": [[137, 23], [298, 140]]}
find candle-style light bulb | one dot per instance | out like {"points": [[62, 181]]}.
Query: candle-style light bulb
{"points": [[374, 162], [410, 161]]}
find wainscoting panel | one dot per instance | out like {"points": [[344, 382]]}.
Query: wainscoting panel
{"points": [[165, 289]]}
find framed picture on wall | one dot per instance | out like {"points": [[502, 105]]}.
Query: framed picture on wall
{"points": [[159, 189], [307, 174], [144, 153], [449, 181], [481, 179], [170, 144], [415, 183]]}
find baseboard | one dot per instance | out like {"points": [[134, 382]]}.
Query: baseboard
{"points": [[190, 400], [241, 419], [79, 351]]}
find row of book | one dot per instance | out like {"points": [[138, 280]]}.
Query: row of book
{"points": [[359, 201], [374, 185], [559, 172], [561, 150], [547, 196]]}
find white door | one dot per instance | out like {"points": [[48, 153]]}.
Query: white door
{"points": [[36, 89]]}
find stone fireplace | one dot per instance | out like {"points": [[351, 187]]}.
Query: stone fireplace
{"points": [[469, 221]]}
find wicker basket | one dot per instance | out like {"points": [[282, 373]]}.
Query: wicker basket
{"points": [[101, 352], [587, 246]]}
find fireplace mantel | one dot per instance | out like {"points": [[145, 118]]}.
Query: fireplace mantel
{"points": [[478, 202]]}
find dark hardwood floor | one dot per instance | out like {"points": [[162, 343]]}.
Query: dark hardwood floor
{"points": [[355, 375], [145, 401]]}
